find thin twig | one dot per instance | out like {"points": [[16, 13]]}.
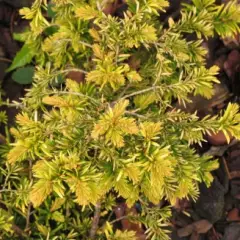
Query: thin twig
{"points": [[12, 22], [234, 174], [81, 42], [102, 5], [119, 219], [95, 221], [124, 91], [13, 104], [5, 182], [77, 94], [135, 114], [30, 204], [139, 92], [30, 176], [5, 60], [99, 6], [7, 190], [85, 44], [73, 70], [226, 168], [18, 231], [116, 57], [220, 150]]}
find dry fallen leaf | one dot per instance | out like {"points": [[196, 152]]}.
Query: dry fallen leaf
{"points": [[76, 76], [195, 236], [233, 215], [201, 226], [186, 231], [218, 139]]}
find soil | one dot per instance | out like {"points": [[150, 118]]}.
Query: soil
{"points": [[216, 214]]}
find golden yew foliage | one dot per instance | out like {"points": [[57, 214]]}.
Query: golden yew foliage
{"points": [[118, 133]]}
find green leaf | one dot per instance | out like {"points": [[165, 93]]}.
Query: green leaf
{"points": [[23, 75], [57, 216], [51, 30], [50, 11], [23, 57], [22, 36]]}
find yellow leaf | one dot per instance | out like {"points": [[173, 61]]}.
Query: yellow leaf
{"points": [[86, 12], [144, 100], [102, 77], [27, 13], [99, 129], [127, 125], [15, 133], [133, 76], [120, 107], [41, 189], [123, 187], [97, 51], [149, 33], [125, 235], [82, 190], [42, 229], [72, 85], [94, 33], [150, 130], [17, 153], [58, 217], [23, 119], [114, 126], [171, 22], [133, 197], [116, 138], [57, 204], [55, 101], [132, 170]]}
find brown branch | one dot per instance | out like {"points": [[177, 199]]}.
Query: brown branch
{"points": [[18, 231], [2, 139], [234, 174], [226, 168], [95, 221], [73, 70], [119, 219], [29, 205]]}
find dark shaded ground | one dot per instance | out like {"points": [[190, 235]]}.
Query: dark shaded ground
{"points": [[10, 22], [216, 215]]}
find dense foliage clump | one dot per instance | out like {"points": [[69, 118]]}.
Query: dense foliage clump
{"points": [[79, 145]]}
